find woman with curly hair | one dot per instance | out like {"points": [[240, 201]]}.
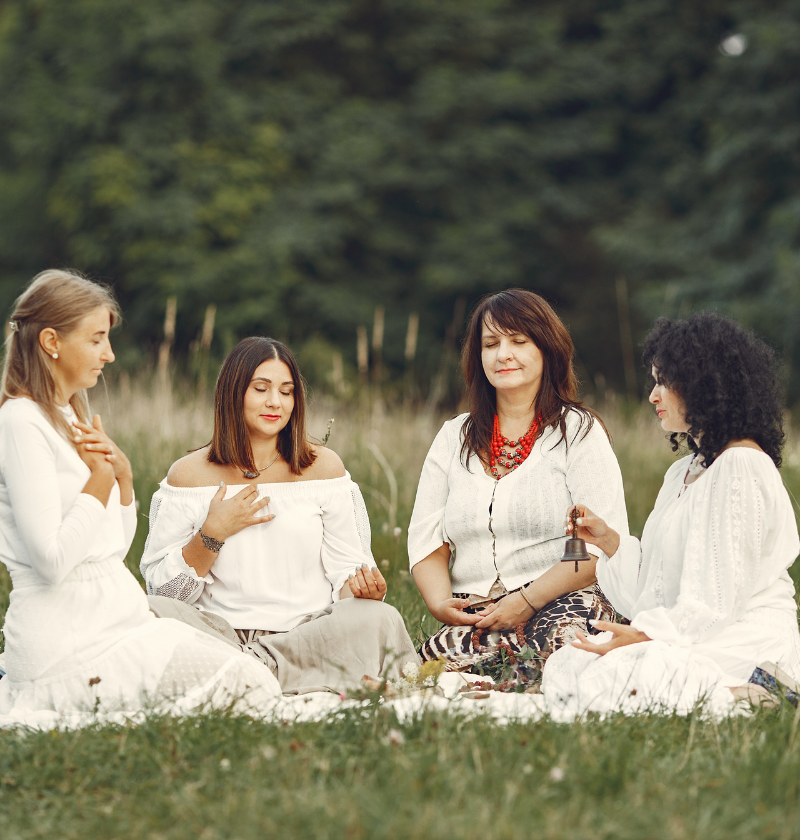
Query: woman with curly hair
{"points": [[710, 601], [486, 537]]}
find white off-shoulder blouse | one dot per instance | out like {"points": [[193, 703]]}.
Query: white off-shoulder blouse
{"points": [[268, 576], [511, 529]]}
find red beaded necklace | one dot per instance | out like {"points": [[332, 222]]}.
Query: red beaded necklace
{"points": [[521, 448]]}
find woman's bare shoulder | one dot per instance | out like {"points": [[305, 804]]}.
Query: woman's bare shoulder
{"points": [[193, 470], [327, 465]]}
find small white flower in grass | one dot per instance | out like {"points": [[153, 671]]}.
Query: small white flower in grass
{"points": [[225, 764], [268, 752], [557, 775], [395, 736], [397, 532], [411, 670], [527, 770]]}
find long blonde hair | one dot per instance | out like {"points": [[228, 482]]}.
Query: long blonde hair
{"points": [[59, 300]]}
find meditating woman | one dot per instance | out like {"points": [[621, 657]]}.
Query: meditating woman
{"points": [[707, 590], [268, 536], [79, 635], [486, 534]]}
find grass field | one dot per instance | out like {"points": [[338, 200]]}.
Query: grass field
{"points": [[369, 776]]}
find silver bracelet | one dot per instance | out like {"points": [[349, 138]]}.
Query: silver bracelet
{"points": [[210, 543]]}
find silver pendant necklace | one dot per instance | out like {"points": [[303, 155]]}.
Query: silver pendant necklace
{"points": [[257, 473], [695, 468]]}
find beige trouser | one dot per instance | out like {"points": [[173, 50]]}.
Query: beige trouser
{"points": [[330, 650]]}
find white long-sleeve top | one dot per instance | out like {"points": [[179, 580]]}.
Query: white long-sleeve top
{"points": [[711, 571], [512, 528], [268, 576], [48, 526]]}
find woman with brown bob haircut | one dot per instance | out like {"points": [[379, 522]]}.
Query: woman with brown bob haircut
{"points": [[487, 531], [262, 538]]}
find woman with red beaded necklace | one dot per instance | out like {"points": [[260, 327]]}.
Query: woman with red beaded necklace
{"points": [[486, 535]]}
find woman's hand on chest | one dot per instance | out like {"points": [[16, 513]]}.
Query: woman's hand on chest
{"points": [[227, 517]]}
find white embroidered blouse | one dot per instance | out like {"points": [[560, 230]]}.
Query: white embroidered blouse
{"points": [[511, 529], [268, 576], [711, 571]]}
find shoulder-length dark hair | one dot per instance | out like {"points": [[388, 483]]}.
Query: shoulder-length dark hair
{"points": [[230, 443], [520, 311], [726, 378]]}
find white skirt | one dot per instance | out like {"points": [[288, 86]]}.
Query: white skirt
{"points": [[90, 646], [658, 676]]}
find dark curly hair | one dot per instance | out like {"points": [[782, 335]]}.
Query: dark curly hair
{"points": [[727, 379]]}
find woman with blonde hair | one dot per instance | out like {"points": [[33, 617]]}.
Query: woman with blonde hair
{"points": [[79, 634]]}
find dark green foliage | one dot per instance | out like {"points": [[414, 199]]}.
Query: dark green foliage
{"points": [[298, 163]]}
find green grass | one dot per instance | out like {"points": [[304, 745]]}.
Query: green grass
{"points": [[220, 777], [217, 777]]}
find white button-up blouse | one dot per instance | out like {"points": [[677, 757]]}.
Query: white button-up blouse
{"points": [[512, 528]]}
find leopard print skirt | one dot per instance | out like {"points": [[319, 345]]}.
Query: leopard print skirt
{"points": [[515, 658]]}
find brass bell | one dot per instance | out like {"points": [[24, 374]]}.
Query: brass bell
{"points": [[575, 549]]}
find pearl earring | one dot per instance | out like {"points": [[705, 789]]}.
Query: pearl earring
{"points": [[55, 355]]}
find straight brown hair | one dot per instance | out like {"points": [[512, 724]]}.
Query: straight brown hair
{"points": [[230, 443], [525, 312], [58, 299]]}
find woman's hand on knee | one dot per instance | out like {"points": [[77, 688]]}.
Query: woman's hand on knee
{"points": [[622, 635], [451, 611], [227, 517], [367, 583], [508, 612]]}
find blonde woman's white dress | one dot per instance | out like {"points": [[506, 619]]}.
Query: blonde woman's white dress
{"points": [[79, 637], [709, 584]]}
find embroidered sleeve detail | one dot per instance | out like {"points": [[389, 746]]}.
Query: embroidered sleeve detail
{"points": [[181, 588], [162, 566], [155, 506], [362, 520], [722, 557]]}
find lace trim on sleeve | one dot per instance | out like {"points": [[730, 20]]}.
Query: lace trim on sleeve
{"points": [[155, 505], [181, 588], [362, 520]]}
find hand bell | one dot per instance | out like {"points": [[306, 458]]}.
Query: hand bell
{"points": [[575, 549]]}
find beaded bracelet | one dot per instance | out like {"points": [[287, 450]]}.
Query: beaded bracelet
{"points": [[211, 544]]}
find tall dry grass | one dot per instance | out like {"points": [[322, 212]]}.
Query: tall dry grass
{"points": [[383, 449]]}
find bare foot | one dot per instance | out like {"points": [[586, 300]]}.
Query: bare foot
{"points": [[755, 694]]}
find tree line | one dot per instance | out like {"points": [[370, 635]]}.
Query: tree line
{"points": [[300, 165]]}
